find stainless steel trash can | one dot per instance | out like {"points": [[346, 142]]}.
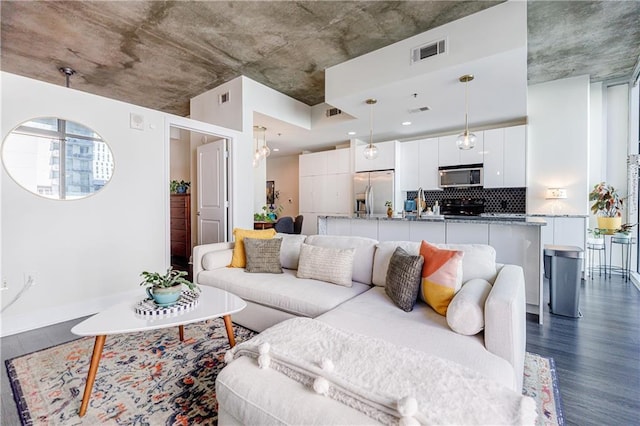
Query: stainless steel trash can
{"points": [[563, 268]]}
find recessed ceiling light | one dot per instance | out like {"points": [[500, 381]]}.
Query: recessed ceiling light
{"points": [[275, 149], [351, 133], [406, 123]]}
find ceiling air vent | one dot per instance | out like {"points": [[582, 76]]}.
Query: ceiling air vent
{"points": [[428, 50], [223, 98], [421, 109], [333, 111]]}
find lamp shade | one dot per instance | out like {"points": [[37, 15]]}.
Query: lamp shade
{"points": [[556, 193]]}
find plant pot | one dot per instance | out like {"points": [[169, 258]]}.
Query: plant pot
{"points": [[165, 296], [389, 213], [622, 236], [181, 190], [609, 224]]}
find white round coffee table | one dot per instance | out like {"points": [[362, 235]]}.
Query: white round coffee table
{"points": [[121, 318]]}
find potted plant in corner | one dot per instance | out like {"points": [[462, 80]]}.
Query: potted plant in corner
{"points": [[607, 207], [179, 187], [166, 289]]}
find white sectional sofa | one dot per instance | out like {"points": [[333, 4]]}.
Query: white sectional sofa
{"points": [[246, 396]]}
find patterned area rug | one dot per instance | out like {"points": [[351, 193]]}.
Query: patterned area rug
{"points": [[153, 378], [541, 383]]}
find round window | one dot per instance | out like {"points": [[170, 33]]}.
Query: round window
{"points": [[58, 159]]}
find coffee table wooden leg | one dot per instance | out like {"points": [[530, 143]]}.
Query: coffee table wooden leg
{"points": [[93, 369], [229, 327], [181, 329]]}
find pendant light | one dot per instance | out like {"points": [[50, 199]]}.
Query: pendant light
{"points": [[259, 142], [466, 140], [371, 151]]}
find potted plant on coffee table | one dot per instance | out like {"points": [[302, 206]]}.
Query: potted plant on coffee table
{"points": [[607, 207], [166, 289]]}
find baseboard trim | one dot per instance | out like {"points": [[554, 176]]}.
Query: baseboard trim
{"points": [[31, 320]]}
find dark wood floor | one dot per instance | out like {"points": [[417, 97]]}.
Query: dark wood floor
{"points": [[597, 356]]}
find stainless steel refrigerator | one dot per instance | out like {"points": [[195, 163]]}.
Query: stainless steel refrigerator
{"points": [[372, 190]]}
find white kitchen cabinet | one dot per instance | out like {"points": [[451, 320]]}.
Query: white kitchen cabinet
{"points": [[338, 161], [312, 164], [450, 155], [386, 159], [336, 197], [515, 157], [419, 165], [429, 164], [305, 197], [410, 165], [505, 157]]}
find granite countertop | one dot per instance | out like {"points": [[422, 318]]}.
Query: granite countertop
{"points": [[501, 220]]}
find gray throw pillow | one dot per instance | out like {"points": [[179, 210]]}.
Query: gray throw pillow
{"points": [[263, 255], [403, 278]]}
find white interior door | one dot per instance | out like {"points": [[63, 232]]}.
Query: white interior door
{"points": [[212, 192]]}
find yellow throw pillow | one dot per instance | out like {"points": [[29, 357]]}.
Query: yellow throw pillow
{"points": [[441, 276], [239, 259]]}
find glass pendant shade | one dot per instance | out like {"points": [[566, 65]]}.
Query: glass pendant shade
{"points": [[371, 152], [466, 140], [265, 151]]}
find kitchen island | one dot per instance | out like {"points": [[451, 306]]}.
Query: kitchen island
{"points": [[516, 239]]}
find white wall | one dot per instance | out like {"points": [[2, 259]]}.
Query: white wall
{"points": [[558, 145], [284, 172], [89, 253], [254, 97], [180, 164]]}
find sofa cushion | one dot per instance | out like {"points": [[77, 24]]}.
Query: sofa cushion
{"points": [[384, 251], [374, 314], [403, 279], [441, 276], [239, 259], [290, 249], [465, 314], [479, 259], [363, 257], [328, 264], [298, 296], [263, 255]]}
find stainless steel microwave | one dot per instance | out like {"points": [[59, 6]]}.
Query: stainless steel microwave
{"points": [[460, 176]]}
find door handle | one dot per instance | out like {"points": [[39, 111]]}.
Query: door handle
{"points": [[198, 214]]}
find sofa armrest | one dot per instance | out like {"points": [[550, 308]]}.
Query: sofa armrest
{"points": [[221, 261], [505, 319]]}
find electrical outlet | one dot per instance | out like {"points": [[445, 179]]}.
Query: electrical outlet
{"points": [[5, 284]]}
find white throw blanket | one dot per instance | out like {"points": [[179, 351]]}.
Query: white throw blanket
{"points": [[389, 383]]}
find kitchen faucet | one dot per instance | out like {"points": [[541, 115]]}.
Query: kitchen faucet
{"points": [[421, 199]]}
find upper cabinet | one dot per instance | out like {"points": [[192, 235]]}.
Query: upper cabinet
{"points": [[505, 153], [313, 164], [450, 155], [419, 164], [338, 161], [386, 159]]}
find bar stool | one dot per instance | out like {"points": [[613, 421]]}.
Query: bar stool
{"points": [[597, 245], [625, 251]]}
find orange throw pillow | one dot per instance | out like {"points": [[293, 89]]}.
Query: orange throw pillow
{"points": [[239, 259], [441, 276]]}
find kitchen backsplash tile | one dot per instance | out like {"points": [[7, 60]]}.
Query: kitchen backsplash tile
{"points": [[497, 200]]}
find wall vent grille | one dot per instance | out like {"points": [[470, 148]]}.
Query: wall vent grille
{"points": [[421, 109], [223, 98], [333, 112], [428, 50]]}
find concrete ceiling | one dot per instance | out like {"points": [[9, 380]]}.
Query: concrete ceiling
{"points": [[159, 54]]}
